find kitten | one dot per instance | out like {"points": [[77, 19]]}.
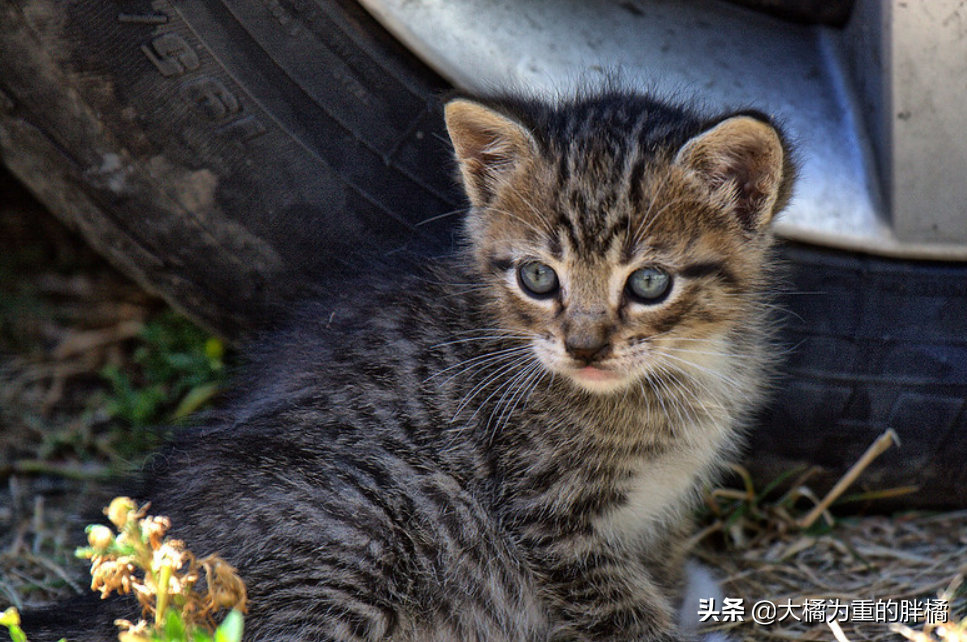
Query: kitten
{"points": [[509, 449]]}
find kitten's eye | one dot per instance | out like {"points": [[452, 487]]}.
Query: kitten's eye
{"points": [[648, 285], [537, 280]]}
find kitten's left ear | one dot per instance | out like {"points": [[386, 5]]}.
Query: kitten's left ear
{"points": [[744, 156], [489, 145]]}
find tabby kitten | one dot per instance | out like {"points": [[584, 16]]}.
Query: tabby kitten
{"points": [[508, 449]]}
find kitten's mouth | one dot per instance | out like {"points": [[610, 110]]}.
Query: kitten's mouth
{"points": [[598, 380], [595, 374]]}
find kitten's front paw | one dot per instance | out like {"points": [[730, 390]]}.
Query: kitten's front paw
{"points": [[700, 586]]}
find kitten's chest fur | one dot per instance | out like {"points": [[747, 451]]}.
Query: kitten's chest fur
{"points": [[658, 491], [622, 471]]}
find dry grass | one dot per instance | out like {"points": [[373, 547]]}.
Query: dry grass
{"points": [[787, 551], [37, 564], [871, 558]]}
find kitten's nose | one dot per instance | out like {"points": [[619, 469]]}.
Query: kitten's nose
{"points": [[586, 348]]}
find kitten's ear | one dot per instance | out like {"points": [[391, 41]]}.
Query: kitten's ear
{"points": [[743, 156], [488, 146]]}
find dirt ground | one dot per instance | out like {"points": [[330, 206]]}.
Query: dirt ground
{"points": [[68, 321]]}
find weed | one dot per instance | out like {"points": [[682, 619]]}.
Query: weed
{"points": [[11, 620], [177, 369], [754, 517], [163, 575]]}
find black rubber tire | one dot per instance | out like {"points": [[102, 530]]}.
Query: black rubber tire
{"points": [[225, 153], [874, 344]]}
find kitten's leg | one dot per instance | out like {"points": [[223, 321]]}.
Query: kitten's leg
{"points": [[470, 582], [610, 597], [415, 560]]}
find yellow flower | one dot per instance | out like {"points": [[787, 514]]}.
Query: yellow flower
{"points": [[154, 528], [99, 537], [161, 573], [10, 617], [171, 553], [119, 510], [109, 575], [132, 632]]}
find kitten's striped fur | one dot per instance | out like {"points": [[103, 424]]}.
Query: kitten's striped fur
{"points": [[454, 458]]}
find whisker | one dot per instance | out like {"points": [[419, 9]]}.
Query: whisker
{"points": [[481, 386], [726, 383], [514, 388], [490, 337], [712, 353], [478, 362], [537, 372], [507, 364], [509, 388], [426, 221]]}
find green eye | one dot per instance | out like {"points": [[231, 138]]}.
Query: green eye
{"points": [[537, 280], [649, 285]]}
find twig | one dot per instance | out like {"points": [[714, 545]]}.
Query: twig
{"points": [[67, 471], [877, 448], [837, 631], [56, 569]]}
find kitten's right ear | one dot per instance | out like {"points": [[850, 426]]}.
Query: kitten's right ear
{"points": [[488, 145]]}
